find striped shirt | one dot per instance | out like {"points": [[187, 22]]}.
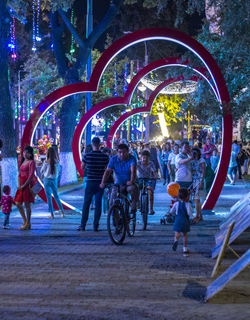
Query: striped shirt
{"points": [[96, 163]]}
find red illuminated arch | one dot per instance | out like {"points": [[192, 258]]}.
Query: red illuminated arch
{"points": [[109, 54]]}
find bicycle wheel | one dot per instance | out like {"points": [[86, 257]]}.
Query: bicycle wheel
{"points": [[131, 223], [144, 211], [116, 224]]}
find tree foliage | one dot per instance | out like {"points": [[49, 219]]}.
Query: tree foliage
{"points": [[170, 105]]}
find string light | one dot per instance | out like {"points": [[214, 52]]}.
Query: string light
{"points": [[72, 50], [12, 44], [115, 86], [125, 77], [34, 28], [38, 38]]}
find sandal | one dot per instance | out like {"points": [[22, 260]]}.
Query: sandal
{"points": [[50, 217], [151, 213], [62, 214]]}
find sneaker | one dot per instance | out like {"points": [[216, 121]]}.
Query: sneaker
{"points": [[175, 245], [186, 253], [5, 227], [80, 228]]}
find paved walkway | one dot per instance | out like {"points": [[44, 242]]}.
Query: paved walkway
{"points": [[56, 272]]}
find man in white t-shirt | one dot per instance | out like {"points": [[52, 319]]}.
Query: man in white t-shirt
{"points": [[183, 175]]}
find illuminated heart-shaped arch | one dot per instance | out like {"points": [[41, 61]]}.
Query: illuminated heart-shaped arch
{"points": [[123, 43], [126, 100]]}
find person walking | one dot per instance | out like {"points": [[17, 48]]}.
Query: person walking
{"points": [[50, 171], [96, 163], [6, 201], [236, 149], [26, 180], [208, 150], [243, 159], [171, 161], [198, 174], [182, 211], [232, 169], [183, 175], [166, 151]]}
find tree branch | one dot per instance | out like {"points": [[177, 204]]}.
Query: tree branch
{"points": [[71, 28], [96, 33], [105, 23]]}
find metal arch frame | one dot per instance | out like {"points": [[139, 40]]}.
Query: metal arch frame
{"points": [[121, 44], [125, 100], [146, 109]]}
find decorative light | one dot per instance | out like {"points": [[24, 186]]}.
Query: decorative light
{"points": [[12, 45], [115, 86], [72, 50], [180, 87], [38, 38], [163, 125], [35, 25], [125, 77]]}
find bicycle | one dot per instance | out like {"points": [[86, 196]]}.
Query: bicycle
{"points": [[119, 220], [144, 202]]}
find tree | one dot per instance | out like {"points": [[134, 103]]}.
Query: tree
{"points": [[225, 34], [7, 134]]}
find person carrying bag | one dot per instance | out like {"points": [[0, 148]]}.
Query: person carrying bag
{"points": [[50, 172]]}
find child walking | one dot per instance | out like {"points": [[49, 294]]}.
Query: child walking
{"points": [[182, 211], [6, 202]]}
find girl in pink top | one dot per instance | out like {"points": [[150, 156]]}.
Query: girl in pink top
{"points": [[6, 202]]}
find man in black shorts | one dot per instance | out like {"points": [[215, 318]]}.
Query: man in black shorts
{"points": [[96, 163]]}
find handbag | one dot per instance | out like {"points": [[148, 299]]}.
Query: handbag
{"points": [[36, 188]]}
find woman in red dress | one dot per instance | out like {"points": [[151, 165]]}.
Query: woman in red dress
{"points": [[26, 180]]}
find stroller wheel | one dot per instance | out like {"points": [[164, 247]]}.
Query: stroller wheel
{"points": [[164, 221], [161, 221]]}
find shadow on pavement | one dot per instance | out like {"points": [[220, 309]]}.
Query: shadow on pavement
{"points": [[195, 291]]}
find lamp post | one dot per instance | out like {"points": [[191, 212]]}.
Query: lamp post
{"points": [[88, 95], [146, 93]]}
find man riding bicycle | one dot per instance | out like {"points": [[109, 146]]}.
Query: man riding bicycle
{"points": [[146, 169], [124, 166]]}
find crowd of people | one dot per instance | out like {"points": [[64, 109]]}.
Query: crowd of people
{"points": [[191, 165]]}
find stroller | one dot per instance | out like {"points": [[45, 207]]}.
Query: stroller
{"points": [[168, 217]]}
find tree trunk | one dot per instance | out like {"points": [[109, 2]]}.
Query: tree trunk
{"points": [[7, 134]]}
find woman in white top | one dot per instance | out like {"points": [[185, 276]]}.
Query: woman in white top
{"points": [[171, 161], [50, 171]]}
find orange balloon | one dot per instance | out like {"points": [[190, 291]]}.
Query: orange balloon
{"points": [[173, 188]]}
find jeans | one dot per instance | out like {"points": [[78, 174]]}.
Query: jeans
{"points": [[239, 167], [50, 186], [84, 187], [166, 175], [208, 161], [6, 220], [92, 189]]}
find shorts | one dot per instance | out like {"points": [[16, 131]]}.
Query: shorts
{"points": [[147, 183], [232, 170]]}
